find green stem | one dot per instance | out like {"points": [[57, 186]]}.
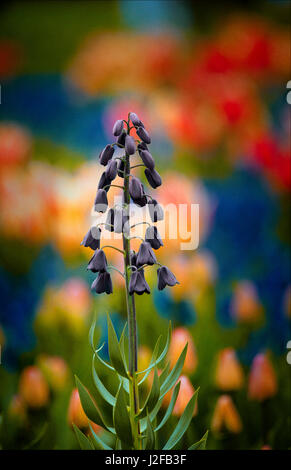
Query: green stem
{"points": [[132, 328]]}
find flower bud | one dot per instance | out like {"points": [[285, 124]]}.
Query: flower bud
{"points": [[166, 278], [76, 414], [155, 210], [117, 128], [147, 159], [225, 416], [104, 182], [101, 201], [145, 255], [153, 178], [120, 168], [180, 337], [121, 138], [92, 238], [106, 154], [55, 370], [152, 236], [137, 283], [229, 373], [130, 146], [142, 146], [143, 134], [98, 262], [102, 283], [135, 188], [111, 170], [142, 201], [135, 119], [33, 387], [262, 379]]}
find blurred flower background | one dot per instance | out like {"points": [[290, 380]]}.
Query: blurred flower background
{"points": [[210, 85]]}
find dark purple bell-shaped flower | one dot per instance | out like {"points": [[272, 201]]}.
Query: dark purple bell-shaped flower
{"points": [[142, 201], [145, 255], [130, 146], [117, 128], [135, 120], [120, 168], [153, 178], [143, 134], [92, 238], [138, 284], [101, 201], [155, 210], [166, 278], [142, 146], [102, 283], [111, 170], [135, 188], [98, 262], [147, 159], [104, 183], [109, 224], [121, 138], [133, 257], [119, 219], [152, 236], [106, 155]]}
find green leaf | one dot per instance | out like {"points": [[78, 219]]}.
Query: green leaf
{"points": [[200, 445], [164, 374], [174, 374], [98, 440], [183, 423], [170, 407], [152, 397], [88, 404], [114, 350], [84, 442], [92, 333], [121, 418], [122, 344], [100, 386], [150, 436]]}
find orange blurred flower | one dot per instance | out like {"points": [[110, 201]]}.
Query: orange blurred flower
{"points": [[33, 387], [15, 144], [180, 337], [144, 357], [185, 394], [76, 413], [226, 416], [245, 305], [229, 372], [55, 370], [262, 379]]}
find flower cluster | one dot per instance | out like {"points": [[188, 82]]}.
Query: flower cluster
{"points": [[118, 218]]}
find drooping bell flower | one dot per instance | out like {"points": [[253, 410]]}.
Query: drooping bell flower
{"points": [[117, 128], [111, 170], [109, 224], [142, 146], [145, 255], [142, 201], [104, 182], [166, 278], [180, 337], [121, 138], [225, 416], [229, 374], [33, 387], [135, 119], [92, 239], [152, 236], [153, 178], [155, 210], [120, 168], [130, 146], [133, 258], [137, 283], [76, 414], [119, 219], [101, 201], [147, 159], [102, 283], [106, 154], [262, 379], [143, 134], [98, 262], [135, 188]]}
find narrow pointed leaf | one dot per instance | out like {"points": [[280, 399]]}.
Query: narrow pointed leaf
{"points": [[174, 374], [152, 397], [98, 440], [122, 345], [155, 361], [164, 374], [170, 407], [183, 423], [84, 442], [114, 350], [121, 418], [92, 333], [150, 436], [200, 445], [100, 386], [88, 404]]}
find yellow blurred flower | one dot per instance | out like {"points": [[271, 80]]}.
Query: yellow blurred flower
{"points": [[55, 370], [226, 416], [144, 357], [33, 388], [262, 379], [180, 337], [229, 373]]}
